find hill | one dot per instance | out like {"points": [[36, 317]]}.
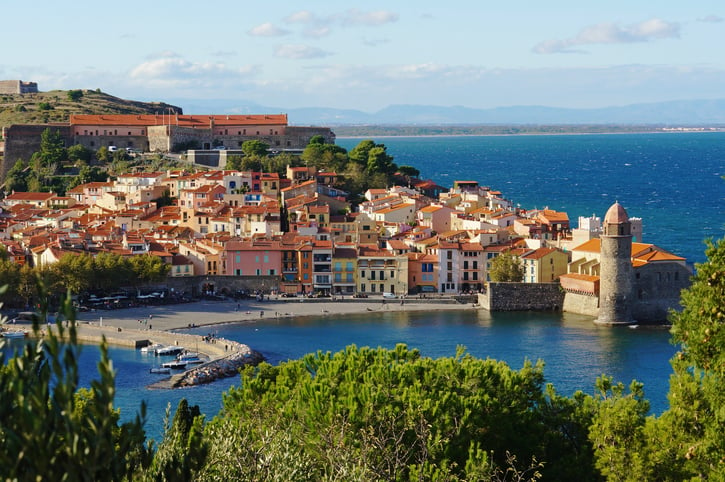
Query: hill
{"points": [[679, 113], [58, 105]]}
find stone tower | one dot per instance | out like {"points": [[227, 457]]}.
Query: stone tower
{"points": [[616, 272]]}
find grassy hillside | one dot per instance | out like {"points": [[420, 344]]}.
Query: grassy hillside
{"points": [[57, 106]]}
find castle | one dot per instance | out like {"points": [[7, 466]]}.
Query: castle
{"points": [[162, 133], [18, 87]]}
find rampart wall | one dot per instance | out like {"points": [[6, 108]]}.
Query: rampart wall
{"points": [[22, 141], [582, 304], [522, 297]]}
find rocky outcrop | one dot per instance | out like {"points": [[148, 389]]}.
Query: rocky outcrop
{"points": [[227, 366]]}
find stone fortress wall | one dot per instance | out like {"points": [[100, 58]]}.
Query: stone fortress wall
{"points": [[522, 297], [18, 87]]}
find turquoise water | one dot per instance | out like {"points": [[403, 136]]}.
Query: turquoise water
{"points": [[672, 181]]}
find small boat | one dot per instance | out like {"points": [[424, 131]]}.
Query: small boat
{"points": [[14, 334], [169, 350], [151, 348], [160, 370], [176, 365]]}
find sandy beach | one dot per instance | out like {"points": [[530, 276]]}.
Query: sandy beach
{"points": [[154, 323]]}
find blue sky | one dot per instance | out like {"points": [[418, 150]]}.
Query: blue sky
{"points": [[372, 54]]}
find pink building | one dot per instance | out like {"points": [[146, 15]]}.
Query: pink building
{"points": [[253, 257]]}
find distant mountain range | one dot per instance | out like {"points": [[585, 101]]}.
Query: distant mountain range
{"points": [[675, 113]]}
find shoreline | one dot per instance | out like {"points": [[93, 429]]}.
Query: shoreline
{"points": [[137, 326]]}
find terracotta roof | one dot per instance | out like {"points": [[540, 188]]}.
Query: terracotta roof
{"points": [[538, 253], [202, 121]]}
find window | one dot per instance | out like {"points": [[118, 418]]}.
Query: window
{"points": [[362, 274], [237, 259], [266, 258], [271, 272], [258, 272], [256, 259]]}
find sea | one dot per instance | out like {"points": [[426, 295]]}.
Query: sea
{"points": [[673, 181]]}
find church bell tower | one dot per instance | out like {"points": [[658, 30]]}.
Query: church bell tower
{"points": [[616, 287]]}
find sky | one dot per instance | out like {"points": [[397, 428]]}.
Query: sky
{"points": [[372, 54]]}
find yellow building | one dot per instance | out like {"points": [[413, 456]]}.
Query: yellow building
{"points": [[544, 265]]}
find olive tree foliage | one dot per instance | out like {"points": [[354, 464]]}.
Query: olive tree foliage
{"points": [[50, 427], [506, 268], [377, 414]]}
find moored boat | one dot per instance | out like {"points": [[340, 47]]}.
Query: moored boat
{"points": [[169, 350], [14, 334], [151, 348], [160, 370], [175, 365]]}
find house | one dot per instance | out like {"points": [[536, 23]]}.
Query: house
{"points": [[544, 265], [380, 271]]}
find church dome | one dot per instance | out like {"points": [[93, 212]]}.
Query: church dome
{"points": [[616, 215]]}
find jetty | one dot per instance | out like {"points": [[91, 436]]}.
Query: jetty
{"points": [[226, 357]]}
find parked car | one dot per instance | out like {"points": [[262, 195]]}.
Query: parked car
{"points": [[389, 296]]}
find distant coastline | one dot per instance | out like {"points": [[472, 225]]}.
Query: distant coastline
{"points": [[383, 131]]}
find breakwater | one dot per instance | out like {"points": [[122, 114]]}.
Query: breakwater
{"points": [[227, 366]]}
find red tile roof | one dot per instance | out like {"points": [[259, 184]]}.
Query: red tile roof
{"points": [[202, 121]]}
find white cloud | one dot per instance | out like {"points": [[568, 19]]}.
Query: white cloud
{"points": [[267, 30], [292, 51], [368, 19], [317, 32], [611, 33], [171, 70], [303, 16], [375, 42], [711, 19]]}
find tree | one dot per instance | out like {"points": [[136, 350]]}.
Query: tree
{"points": [[183, 451], [102, 154], [49, 427], [75, 95], [78, 152], [377, 414], [696, 396], [359, 153], [234, 163], [255, 148], [380, 161], [17, 177], [408, 171], [52, 147], [506, 268]]}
